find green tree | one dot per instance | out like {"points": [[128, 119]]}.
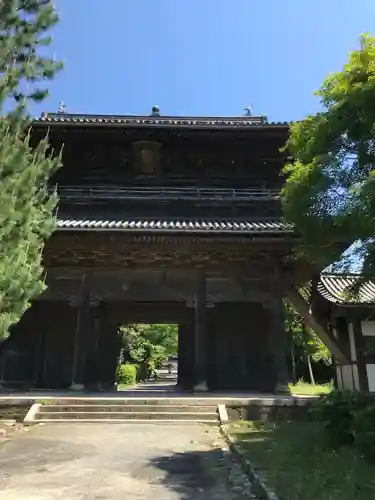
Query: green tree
{"points": [[146, 345], [329, 194], [24, 25], [26, 208], [305, 340], [163, 334]]}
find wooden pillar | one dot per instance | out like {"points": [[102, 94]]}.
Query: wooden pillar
{"points": [[185, 369], [277, 342], [109, 343], [181, 358], [200, 331], [186, 348], [360, 349], [93, 353], [81, 336]]}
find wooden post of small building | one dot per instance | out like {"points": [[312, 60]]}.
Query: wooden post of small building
{"points": [[200, 342]]}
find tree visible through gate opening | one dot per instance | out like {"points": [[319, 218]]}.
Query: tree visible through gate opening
{"points": [[151, 348]]}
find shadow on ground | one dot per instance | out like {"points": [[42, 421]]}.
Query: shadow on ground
{"points": [[198, 475]]}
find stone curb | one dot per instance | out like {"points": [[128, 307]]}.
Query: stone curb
{"points": [[259, 486], [223, 414], [31, 414]]}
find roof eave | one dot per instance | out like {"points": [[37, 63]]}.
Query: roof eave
{"points": [[189, 122], [332, 285], [188, 232]]}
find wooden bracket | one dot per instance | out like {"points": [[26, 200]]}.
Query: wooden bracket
{"points": [[303, 308]]}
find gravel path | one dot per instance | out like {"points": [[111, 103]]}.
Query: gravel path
{"points": [[117, 461]]}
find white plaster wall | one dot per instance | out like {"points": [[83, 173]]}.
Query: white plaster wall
{"points": [[355, 373], [347, 377], [368, 328], [370, 368]]}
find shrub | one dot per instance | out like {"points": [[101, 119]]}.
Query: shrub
{"points": [[126, 374], [348, 418], [364, 430]]}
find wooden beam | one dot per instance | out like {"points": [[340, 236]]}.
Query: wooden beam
{"points": [[303, 308]]}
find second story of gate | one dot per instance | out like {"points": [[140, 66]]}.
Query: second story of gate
{"points": [[224, 166]]}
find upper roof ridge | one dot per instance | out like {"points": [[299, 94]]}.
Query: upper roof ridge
{"points": [[158, 120]]}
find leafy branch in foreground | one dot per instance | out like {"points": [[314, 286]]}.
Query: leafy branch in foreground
{"points": [[329, 194]]}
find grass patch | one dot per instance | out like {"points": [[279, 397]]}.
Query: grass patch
{"points": [[294, 459], [125, 387], [302, 388]]}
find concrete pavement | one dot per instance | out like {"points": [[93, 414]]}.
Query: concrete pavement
{"points": [[117, 461]]}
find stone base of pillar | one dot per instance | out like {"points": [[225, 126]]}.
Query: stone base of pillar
{"points": [[107, 387], [201, 386], [283, 388], [180, 388], [77, 387]]}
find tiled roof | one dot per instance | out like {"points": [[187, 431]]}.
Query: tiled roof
{"points": [[159, 121], [178, 225], [336, 288]]}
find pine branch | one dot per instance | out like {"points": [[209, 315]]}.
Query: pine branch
{"points": [[26, 209]]}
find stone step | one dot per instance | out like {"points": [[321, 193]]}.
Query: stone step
{"points": [[136, 401], [125, 421], [78, 415], [16, 412], [127, 408], [7, 422], [14, 416]]}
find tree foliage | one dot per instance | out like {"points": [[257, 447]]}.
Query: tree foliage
{"points": [[26, 208], [148, 345], [24, 25], [163, 334], [304, 337], [329, 194]]}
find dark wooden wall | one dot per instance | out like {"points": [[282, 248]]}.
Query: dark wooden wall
{"points": [[194, 157], [40, 347], [238, 352]]}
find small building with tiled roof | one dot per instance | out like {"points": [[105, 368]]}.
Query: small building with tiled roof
{"points": [[346, 303], [343, 290]]}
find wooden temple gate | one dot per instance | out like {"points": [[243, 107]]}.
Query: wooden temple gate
{"points": [[173, 220]]}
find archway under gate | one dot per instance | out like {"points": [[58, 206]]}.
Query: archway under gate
{"points": [[111, 316]]}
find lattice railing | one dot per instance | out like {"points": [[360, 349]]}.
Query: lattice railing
{"points": [[71, 193]]}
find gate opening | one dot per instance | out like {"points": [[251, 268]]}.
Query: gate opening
{"points": [[149, 352]]}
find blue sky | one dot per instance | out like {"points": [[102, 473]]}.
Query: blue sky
{"points": [[201, 57]]}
